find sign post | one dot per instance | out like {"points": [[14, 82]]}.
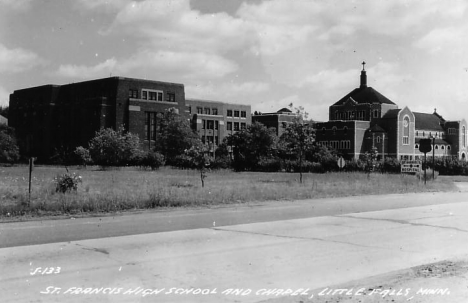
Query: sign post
{"points": [[341, 162], [425, 146]]}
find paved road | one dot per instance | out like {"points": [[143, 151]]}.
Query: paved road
{"points": [[257, 259], [51, 231]]}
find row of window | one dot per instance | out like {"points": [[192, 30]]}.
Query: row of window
{"points": [[210, 139], [343, 144], [436, 134], [237, 126], [152, 124], [210, 124], [152, 95], [416, 146], [350, 115], [205, 110], [243, 113], [334, 129]]}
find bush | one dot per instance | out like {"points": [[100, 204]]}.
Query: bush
{"points": [[9, 151], [67, 182], [391, 165], [269, 164], [153, 160], [83, 156]]}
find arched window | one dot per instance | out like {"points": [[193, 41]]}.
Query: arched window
{"points": [[323, 131], [334, 130], [345, 130], [416, 146], [406, 130], [464, 136], [378, 139], [437, 146]]}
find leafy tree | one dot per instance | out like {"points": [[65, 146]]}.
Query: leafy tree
{"points": [[83, 156], [9, 151], [199, 157], [4, 111], [252, 144], [175, 136], [113, 147], [298, 138]]}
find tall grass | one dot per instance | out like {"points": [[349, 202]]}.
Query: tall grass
{"points": [[130, 188]]}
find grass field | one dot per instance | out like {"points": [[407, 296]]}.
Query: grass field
{"points": [[130, 188]]}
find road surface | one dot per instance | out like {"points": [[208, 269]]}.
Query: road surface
{"points": [[290, 257]]}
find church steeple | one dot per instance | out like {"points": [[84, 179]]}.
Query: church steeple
{"points": [[363, 76]]}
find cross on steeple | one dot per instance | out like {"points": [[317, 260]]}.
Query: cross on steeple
{"points": [[363, 65]]}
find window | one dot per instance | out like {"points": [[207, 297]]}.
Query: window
{"points": [[203, 123], [170, 97], [236, 126], [437, 146], [133, 93], [345, 130], [406, 130], [206, 111], [416, 146], [144, 94], [210, 124], [236, 113], [151, 125], [464, 136], [229, 112], [229, 126], [378, 139], [334, 130], [154, 95], [376, 113], [243, 114], [199, 110], [190, 109], [243, 126], [323, 131], [442, 147], [214, 111]]}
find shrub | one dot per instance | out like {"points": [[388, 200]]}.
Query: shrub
{"points": [[391, 165], [153, 160], [67, 182], [83, 156], [269, 164], [9, 151]]}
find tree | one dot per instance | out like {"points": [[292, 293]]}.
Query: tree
{"points": [[113, 147], [298, 138], [9, 151], [4, 111], [175, 136], [252, 144], [199, 156]]}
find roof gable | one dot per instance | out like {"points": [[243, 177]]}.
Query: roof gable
{"points": [[428, 121], [365, 95]]}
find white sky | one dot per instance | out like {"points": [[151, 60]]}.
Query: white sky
{"points": [[263, 53]]}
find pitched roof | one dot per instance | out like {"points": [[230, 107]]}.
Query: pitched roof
{"points": [[377, 129], [284, 110], [428, 121], [392, 113], [363, 95]]}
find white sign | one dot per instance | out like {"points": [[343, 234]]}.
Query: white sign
{"points": [[411, 166]]}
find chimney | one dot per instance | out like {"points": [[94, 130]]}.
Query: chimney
{"points": [[363, 76]]}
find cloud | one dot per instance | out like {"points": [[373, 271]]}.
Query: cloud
{"points": [[173, 25], [85, 72], [4, 97], [107, 5], [18, 59], [16, 4], [180, 65], [241, 93]]}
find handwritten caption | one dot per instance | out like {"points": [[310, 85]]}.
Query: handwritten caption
{"points": [[275, 292]]}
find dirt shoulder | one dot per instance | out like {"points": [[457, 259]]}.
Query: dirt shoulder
{"points": [[445, 281]]}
